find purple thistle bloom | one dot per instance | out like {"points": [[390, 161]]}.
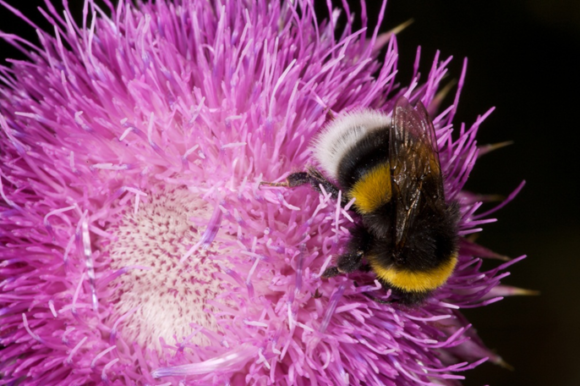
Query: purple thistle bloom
{"points": [[136, 244]]}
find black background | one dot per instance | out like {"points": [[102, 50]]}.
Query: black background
{"points": [[524, 58]]}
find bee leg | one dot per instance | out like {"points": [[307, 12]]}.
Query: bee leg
{"points": [[331, 272], [350, 261], [356, 249], [312, 177], [346, 263], [316, 179], [294, 179]]}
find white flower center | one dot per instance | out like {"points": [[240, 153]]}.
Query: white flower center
{"points": [[168, 296]]}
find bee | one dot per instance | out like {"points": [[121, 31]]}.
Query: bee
{"points": [[407, 231]]}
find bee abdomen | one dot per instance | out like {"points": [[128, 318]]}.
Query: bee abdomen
{"points": [[414, 280]]}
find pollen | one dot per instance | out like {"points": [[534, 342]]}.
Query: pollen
{"points": [[159, 297]]}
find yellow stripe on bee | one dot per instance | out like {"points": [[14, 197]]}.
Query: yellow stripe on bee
{"points": [[373, 189], [418, 281]]}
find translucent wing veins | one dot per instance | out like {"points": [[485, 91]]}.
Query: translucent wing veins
{"points": [[414, 159]]}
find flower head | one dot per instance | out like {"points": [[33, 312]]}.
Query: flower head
{"points": [[137, 246]]}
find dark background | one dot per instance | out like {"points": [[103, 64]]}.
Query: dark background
{"points": [[524, 58]]}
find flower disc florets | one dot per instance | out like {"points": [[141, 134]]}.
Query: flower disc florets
{"points": [[136, 245]]}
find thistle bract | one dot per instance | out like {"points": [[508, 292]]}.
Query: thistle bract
{"points": [[136, 245]]}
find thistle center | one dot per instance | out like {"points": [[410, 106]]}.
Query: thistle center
{"points": [[160, 297]]}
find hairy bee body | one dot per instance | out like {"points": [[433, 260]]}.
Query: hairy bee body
{"points": [[390, 165]]}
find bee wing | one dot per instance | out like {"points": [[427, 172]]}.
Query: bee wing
{"points": [[414, 161], [435, 190]]}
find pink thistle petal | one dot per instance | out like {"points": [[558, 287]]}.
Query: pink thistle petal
{"points": [[229, 361]]}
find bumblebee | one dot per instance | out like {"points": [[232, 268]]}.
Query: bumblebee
{"points": [[407, 232]]}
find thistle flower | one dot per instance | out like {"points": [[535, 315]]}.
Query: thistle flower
{"points": [[136, 244]]}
